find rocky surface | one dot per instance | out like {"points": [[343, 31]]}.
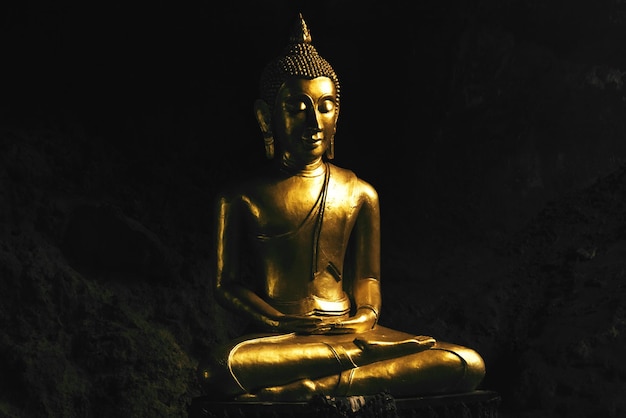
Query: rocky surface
{"points": [[118, 126]]}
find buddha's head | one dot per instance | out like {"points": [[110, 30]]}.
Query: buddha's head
{"points": [[299, 102]]}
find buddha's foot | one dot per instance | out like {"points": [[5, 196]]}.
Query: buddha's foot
{"points": [[378, 346]]}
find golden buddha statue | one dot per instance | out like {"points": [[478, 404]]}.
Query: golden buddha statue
{"points": [[298, 254]]}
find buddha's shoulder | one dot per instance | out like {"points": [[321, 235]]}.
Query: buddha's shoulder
{"points": [[342, 173], [349, 177], [257, 184], [240, 190]]}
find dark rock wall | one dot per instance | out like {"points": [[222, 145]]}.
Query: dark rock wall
{"points": [[493, 131]]}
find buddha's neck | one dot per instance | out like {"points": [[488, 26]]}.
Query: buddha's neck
{"points": [[313, 169]]}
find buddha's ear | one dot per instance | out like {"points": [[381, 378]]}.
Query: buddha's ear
{"points": [[264, 118], [263, 115]]}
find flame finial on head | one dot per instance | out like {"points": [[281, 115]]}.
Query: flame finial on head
{"points": [[300, 32]]}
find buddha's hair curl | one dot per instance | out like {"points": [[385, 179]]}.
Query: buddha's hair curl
{"points": [[299, 59]]}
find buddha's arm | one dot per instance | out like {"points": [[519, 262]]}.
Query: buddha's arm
{"points": [[243, 300], [367, 299], [366, 286], [229, 291]]}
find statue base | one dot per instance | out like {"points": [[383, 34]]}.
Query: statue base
{"points": [[475, 404]]}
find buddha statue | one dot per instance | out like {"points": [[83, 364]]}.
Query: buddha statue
{"points": [[298, 254]]}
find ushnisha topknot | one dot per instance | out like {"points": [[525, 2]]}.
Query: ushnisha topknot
{"points": [[299, 58]]}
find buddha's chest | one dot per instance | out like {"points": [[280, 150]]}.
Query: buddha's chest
{"points": [[297, 204]]}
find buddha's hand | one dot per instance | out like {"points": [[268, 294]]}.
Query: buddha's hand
{"points": [[297, 324], [364, 320]]}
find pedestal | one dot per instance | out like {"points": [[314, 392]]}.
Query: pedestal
{"points": [[476, 404]]}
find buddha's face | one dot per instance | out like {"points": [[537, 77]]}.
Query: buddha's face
{"points": [[305, 117]]}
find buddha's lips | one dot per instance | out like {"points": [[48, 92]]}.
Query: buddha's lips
{"points": [[312, 140], [313, 137]]}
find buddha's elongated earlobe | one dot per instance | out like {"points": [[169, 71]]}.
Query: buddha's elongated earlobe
{"points": [[330, 151], [262, 113], [269, 145]]}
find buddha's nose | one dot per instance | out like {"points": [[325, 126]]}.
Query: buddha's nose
{"points": [[314, 120]]}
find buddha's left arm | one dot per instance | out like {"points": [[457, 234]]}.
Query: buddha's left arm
{"points": [[366, 285]]}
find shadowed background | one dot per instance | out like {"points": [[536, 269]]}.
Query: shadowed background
{"points": [[493, 131]]}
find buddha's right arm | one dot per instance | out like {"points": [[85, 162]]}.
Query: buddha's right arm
{"points": [[243, 300], [228, 292]]}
